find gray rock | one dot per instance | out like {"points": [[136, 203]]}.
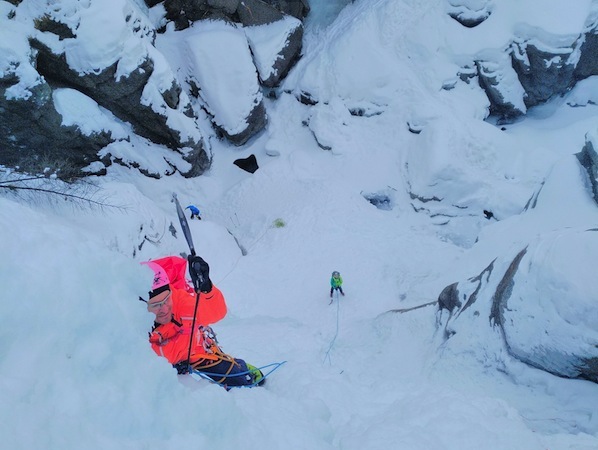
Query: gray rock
{"points": [[123, 98], [33, 135], [33, 138], [246, 12], [184, 12], [588, 49], [544, 69], [226, 6], [257, 12], [296, 8], [47, 24], [588, 158], [449, 298]]}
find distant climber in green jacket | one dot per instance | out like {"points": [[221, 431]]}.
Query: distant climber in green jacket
{"points": [[336, 283]]}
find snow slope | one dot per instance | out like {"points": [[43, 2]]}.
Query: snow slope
{"points": [[77, 371]]}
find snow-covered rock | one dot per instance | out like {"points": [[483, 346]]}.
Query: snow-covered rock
{"points": [[531, 301], [120, 70], [228, 87], [535, 65], [275, 48], [501, 84], [107, 52], [588, 48], [470, 13], [544, 64]]}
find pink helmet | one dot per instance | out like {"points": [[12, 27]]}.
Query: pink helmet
{"points": [[160, 277], [168, 272]]}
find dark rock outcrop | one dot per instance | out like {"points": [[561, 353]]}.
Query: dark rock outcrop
{"points": [[33, 138], [588, 51], [246, 12], [34, 134], [257, 12], [544, 70], [296, 8], [449, 298], [123, 98], [588, 158], [184, 12]]}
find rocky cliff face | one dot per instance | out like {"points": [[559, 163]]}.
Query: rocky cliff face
{"points": [[532, 303], [533, 68], [130, 81]]}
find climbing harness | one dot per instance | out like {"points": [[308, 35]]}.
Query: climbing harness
{"points": [[206, 375]]}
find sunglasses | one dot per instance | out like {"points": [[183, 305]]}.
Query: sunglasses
{"points": [[158, 305]]}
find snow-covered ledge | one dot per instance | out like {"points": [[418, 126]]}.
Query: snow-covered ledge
{"points": [[536, 300]]}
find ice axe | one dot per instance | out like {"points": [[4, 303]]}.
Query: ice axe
{"points": [[184, 223], [187, 233]]}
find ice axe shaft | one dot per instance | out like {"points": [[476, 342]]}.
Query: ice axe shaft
{"points": [[187, 233], [184, 224]]}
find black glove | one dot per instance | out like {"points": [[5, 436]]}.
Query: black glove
{"points": [[182, 368], [200, 274]]}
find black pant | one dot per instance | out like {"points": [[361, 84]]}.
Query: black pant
{"points": [[224, 370], [339, 288]]}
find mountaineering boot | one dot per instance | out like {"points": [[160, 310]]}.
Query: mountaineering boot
{"points": [[260, 378], [257, 375]]}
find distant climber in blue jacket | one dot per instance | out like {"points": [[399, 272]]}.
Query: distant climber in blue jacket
{"points": [[194, 211]]}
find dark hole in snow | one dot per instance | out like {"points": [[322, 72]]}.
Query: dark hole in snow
{"points": [[248, 164], [380, 201]]}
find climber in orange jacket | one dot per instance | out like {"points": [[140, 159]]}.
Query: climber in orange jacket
{"points": [[172, 327], [173, 302]]}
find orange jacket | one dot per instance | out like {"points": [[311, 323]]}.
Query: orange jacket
{"points": [[171, 340]]}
